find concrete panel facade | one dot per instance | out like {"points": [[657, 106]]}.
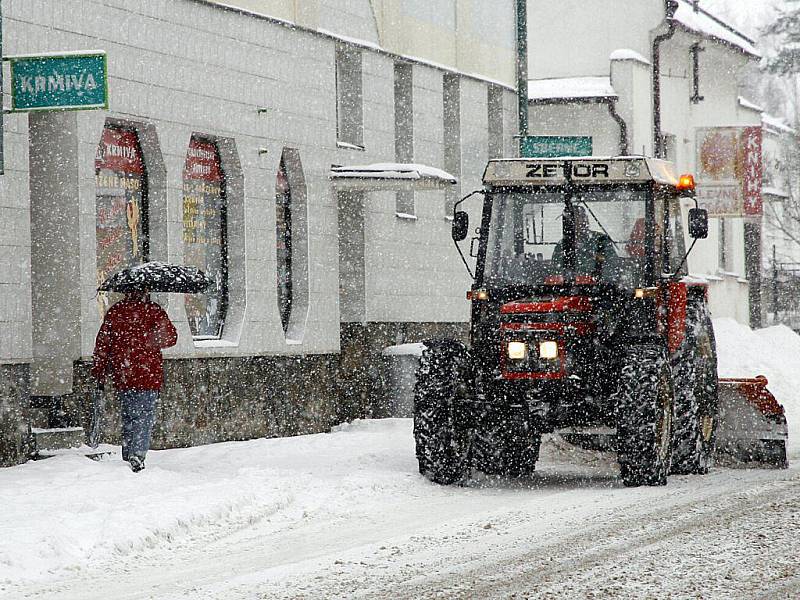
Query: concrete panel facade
{"points": [[258, 88]]}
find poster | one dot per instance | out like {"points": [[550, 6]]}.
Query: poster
{"points": [[204, 235], [121, 204], [730, 172]]}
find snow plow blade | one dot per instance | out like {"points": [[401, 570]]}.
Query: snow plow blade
{"points": [[752, 424]]}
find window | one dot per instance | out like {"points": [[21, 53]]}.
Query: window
{"points": [[349, 107], [494, 102], [352, 302], [283, 226], [121, 224], [404, 128], [205, 236], [526, 246], [670, 143], [291, 244], [725, 245], [451, 94]]}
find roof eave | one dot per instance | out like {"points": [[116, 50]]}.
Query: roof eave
{"points": [[730, 45]]}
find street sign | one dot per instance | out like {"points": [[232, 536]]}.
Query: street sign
{"points": [[63, 81], [552, 146]]}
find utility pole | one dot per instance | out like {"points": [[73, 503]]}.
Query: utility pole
{"points": [[522, 71]]}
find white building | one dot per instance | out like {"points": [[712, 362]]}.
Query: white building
{"points": [[781, 241], [224, 123], [591, 70]]}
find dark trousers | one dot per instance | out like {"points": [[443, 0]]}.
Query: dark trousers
{"points": [[138, 417]]}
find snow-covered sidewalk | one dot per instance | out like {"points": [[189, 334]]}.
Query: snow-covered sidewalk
{"points": [[64, 517]]}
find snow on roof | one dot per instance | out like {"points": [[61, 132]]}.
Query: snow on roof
{"points": [[388, 176], [628, 54], [708, 25], [570, 88], [745, 103], [775, 123]]}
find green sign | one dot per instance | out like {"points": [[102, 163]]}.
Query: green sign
{"points": [[67, 81], [551, 146]]}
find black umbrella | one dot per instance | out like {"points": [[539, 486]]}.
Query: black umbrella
{"points": [[157, 277]]}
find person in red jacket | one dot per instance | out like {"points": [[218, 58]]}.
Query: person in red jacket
{"points": [[129, 346]]}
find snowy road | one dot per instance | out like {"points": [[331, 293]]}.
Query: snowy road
{"points": [[351, 518], [346, 515]]}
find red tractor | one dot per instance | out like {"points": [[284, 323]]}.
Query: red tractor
{"points": [[583, 319]]}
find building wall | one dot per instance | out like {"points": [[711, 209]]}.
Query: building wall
{"points": [[605, 26], [574, 38], [256, 86], [472, 36], [577, 119]]}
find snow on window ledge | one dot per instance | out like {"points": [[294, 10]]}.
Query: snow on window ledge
{"points": [[349, 146], [406, 216], [215, 343]]}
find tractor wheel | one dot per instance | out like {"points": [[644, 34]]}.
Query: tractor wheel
{"points": [[439, 431], [504, 446], [644, 416], [694, 428]]}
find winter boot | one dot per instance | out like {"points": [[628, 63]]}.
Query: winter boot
{"points": [[136, 462]]}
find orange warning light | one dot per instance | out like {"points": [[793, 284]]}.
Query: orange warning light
{"points": [[686, 183]]}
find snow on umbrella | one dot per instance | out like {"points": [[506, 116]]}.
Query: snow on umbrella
{"points": [[157, 277]]}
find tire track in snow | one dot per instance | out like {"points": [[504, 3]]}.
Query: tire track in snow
{"points": [[436, 563]]}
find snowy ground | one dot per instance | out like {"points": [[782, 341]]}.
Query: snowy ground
{"points": [[345, 514]]}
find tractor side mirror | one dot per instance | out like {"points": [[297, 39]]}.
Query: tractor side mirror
{"points": [[698, 223], [460, 226]]}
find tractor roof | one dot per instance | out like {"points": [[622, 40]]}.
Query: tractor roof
{"points": [[583, 169]]}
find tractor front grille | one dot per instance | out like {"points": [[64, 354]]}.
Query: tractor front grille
{"points": [[532, 365]]}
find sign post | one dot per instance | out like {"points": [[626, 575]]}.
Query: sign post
{"points": [[63, 81], [552, 146]]}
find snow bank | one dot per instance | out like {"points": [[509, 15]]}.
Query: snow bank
{"points": [[773, 352]]}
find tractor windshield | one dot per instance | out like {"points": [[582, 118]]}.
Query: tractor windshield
{"points": [[526, 245]]}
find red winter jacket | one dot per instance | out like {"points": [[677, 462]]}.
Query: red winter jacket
{"points": [[130, 342]]}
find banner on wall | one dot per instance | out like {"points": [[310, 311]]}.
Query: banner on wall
{"points": [[120, 180], [730, 171], [204, 235]]}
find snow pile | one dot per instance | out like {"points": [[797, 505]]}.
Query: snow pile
{"points": [[773, 352]]}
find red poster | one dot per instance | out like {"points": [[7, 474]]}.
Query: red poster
{"points": [[204, 235], [753, 171], [202, 161], [119, 151], [120, 203], [730, 172]]}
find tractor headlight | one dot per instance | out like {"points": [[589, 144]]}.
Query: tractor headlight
{"points": [[548, 349], [517, 350]]}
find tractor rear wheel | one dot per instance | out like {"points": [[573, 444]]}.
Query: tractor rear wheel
{"points": [[645, 406], [696, 388], [439, 429]]}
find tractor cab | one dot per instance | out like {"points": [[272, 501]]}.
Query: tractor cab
{"points": [[614, 223]]}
